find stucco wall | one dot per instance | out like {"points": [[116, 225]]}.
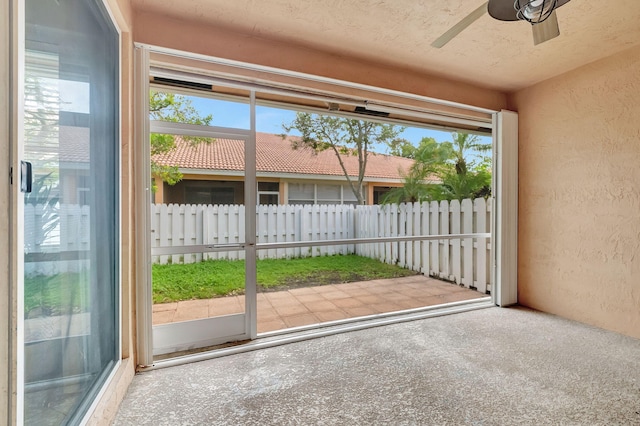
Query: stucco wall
{"points": [[220, 42], [579, 195]]}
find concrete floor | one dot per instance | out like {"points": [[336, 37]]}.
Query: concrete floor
{"points": [[486, 367], [278, 310]]}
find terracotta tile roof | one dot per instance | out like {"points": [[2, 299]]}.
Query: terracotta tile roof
{"points": [[74, 144], [274, 154]]}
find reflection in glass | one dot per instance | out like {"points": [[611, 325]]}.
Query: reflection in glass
{"points": [[70, 217]]}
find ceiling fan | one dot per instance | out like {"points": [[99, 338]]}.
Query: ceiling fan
{"points": [[541, 14]]}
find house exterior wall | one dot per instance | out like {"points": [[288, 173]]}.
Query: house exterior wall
{"points": [[579, 227], [177, 193]]}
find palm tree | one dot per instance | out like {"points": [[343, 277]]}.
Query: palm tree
{"points": [[414, 189], [461, 145]]}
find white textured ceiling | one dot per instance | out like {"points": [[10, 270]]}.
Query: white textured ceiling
{"points": [[489, 53]]}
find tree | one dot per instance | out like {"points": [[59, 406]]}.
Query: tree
{"points": [[404, 148], [463, 143], [459, 177], [430, 162], [414, 188], [174, 108], [345, 137]]}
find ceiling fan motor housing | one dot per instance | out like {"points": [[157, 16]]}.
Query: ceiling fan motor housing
{"points": [[533, 11]]}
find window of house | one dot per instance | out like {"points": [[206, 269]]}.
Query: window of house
{"points": [[203, 195], [321, 193], [302, 193], [268, 193]]}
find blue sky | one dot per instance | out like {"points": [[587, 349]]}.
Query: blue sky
{"points": [[270, 120]]}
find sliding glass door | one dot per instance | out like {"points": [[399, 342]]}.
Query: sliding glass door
{"points": [[69, 177]]}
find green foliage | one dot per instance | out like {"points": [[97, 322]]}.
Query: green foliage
{"points": [[414, 189], [345, 137], [60, 294], [457, 186], [461, 145], [213, 278], [447, 162], [402, 148], [173, 108]]}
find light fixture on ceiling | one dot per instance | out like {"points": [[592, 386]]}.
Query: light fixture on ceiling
{"points": [[534, 11]]}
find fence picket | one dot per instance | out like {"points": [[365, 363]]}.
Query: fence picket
{"points": [[434, 229], [467, 244], [456, 260], [465, 261], [480, 207]]}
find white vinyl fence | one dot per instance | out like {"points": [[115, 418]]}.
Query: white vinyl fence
{"points": [[464, 261], [71, 234]]}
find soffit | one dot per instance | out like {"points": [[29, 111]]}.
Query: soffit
{"points": [[490, 53]]}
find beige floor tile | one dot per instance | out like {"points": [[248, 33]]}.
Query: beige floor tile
{"points": [[335, 294], [162, 317], [159, 307], [431, 300], [360, 311], [371, 300], [331, 315], [288, 310], [379, 289], [310, 305], [282, 300], [413, 303], [348, 302], [307, 298], [225, 306], [193, 304], [386, 307], [267, 314], [357, 291], [300, 291], [320, 306], [271, 325], [458, 296], [300, 320], [191, 312]]}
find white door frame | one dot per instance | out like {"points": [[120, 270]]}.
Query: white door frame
{"points": [[503, 125]]}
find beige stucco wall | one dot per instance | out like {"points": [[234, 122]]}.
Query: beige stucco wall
{"points": [[220, 42], [579, 195]]}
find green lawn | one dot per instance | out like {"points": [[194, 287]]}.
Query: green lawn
{"points": [[214, 278], [59, 294]]}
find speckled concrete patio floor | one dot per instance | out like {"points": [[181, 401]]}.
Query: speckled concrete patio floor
{"points": [[491, 366]]}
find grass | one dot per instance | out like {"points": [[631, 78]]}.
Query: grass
{"points": [[59, 294], [214, 278]]}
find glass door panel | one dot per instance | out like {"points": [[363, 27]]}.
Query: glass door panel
{"points": [[71, 266]]}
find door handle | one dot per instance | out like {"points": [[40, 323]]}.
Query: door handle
{"points": [[26, 176]]}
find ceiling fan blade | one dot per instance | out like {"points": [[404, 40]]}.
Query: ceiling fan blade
{"points": [[460, 26], [546, 30]]}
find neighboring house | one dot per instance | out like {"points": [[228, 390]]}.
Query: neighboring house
{"points": [[214, 173], [75, 159]]}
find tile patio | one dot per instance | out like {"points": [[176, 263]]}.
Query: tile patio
{"points": [[278, 310]]}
